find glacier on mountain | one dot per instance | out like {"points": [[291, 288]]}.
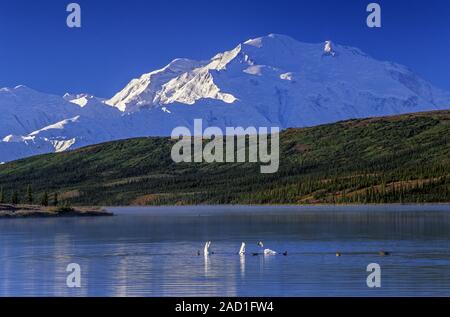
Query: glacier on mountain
{"points": [[268, 81]]}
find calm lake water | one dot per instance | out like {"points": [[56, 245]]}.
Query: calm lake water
{"points": [[153, 252]]}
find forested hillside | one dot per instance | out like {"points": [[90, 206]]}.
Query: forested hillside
{"points": [[401, 159]]}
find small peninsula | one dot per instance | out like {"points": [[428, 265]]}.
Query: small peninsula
{"points": [[34, 211]]}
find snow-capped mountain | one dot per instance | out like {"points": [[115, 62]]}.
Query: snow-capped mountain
{"points": [[289, 84], [141, 92], [269, 81], [53, 123], [24, 110]]}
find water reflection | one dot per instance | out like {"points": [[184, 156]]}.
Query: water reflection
{"points": [[207, 264], [154, 252], [242, 264]]}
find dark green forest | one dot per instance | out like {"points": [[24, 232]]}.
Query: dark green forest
{"points": [[401, 159]]}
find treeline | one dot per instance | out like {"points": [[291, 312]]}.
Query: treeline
{"points": [[308, 185], [15, 198], [403, 159], [351, 189]]}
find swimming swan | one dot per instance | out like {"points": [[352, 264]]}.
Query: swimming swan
{"points": [[206, 249], [242, 249], [266, 251], [269, 252]]}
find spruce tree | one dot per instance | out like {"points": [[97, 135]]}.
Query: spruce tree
{"points": [[55, 199], [44, 199], [2, 196], [15, 198], [29, 195]]}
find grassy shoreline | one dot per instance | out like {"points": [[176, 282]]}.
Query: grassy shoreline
{"points": [[9, 211], [34, 211], [282, 205]]}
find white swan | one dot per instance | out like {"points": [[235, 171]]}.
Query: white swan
{"points": [[242, 249], [266, 251], [206, 249], [269, 252]]}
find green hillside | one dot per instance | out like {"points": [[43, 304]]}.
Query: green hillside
{"points": [[380, 160]]}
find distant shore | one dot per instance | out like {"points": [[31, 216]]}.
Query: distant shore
{"points": [[34, 211], [281, 205]]}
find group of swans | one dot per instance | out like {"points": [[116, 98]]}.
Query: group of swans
{"points": [[268, 252], [206, 250]]}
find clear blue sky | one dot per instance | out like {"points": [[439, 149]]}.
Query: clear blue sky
{"points": [[120, 40]]}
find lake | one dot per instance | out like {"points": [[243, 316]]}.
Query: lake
{"points": [[152, 251]]}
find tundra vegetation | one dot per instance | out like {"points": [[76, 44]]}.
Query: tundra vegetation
{"points": [[400, 159]]}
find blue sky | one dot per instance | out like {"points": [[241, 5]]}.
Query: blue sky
{"points": [[120, 40]]}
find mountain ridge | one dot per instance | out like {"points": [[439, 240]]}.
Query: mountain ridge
{"points": [[267, 81]]}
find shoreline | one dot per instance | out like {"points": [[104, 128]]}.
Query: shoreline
{"points": [[9, 211], [171, 210], [277, 205]]}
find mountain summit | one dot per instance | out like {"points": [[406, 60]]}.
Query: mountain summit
{"points": [[287, 83], [267, 81]]}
